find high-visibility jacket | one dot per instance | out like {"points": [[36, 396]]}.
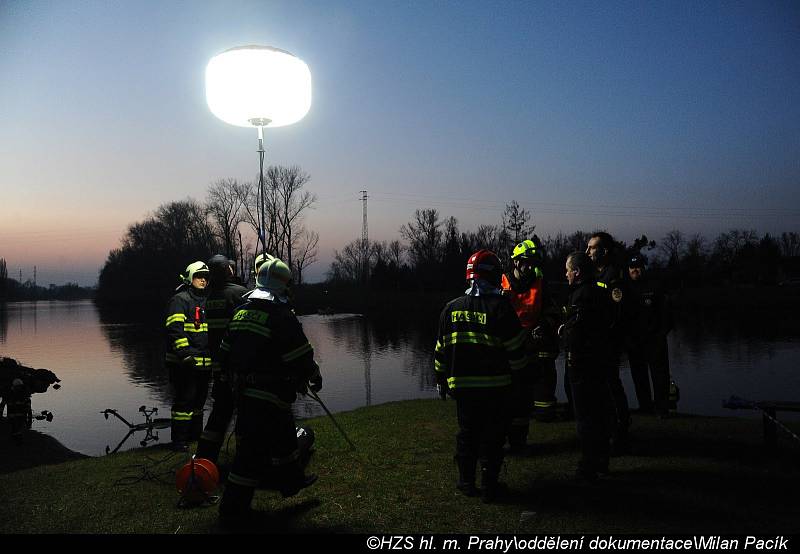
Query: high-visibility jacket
{"points": [[527, 301], [267, 352], [187, 330], [481, 343], [221, 304]]}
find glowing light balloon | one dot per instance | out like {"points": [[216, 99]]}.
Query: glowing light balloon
{"points": [[258, 86]]}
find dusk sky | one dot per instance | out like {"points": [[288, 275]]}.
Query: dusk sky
{"points": [[637, 117]]}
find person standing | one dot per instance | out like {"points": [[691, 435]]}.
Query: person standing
{"points": [[187, 356], [649, 320], [524, 287], [609, 276], [586, 342], [271, 360], [480, 352], [224, 295]]}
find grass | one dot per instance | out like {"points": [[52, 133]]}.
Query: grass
{"points": [[686, 475]]}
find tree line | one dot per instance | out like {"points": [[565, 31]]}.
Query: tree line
{"points": [[433, 252], [15, 290], [145, 268]]}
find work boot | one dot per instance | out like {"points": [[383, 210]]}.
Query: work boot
{"points": [[296, 486], [466, 476], [235, 512], [491, 489]]}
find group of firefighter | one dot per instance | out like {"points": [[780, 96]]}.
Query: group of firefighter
{"points": [[251, 345], [497, 345], [495, 355]]}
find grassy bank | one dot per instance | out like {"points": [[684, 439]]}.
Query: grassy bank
{"points": [[686, 475]]}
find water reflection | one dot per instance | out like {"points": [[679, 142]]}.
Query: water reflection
{"points": [[108, 364]]}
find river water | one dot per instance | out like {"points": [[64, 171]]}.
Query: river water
{"points": [[364, 362]]}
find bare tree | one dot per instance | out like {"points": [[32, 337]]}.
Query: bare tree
{"points": [[672, 247], [224, 203], [306, 252], [285, 203], [515, 227], [790, 244], [346, 265], [728, 245], [424, 235], [396, 250]]}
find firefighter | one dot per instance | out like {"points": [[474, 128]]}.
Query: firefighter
{"points": [[224, 296], [524, 287], [650, 320], [609, 276], [480, 352], [187, 357], [271, 361], [586, 334]]}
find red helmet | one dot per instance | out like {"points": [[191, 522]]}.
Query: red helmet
{"points": [[197, 479], [484, 264]]}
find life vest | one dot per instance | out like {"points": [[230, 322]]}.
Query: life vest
{"points": [[527, 304]]}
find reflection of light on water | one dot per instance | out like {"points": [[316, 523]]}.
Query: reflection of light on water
{"points": [[363, 361]]}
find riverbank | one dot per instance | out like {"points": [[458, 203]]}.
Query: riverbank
{"points": [[686, 475]]}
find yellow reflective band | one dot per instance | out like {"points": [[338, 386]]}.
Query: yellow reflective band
{"points": [[548, 354], [190, 328], [543, 404], [268, 396], [253, 316], [182, 342], [469, 337], [200, 361], [297, 352], [602, 285], [176, 317], [182, 416], [251, 327], [439, 346], [468, 317], [479, 382], [438, 366], [517, 341], [242, 481]]}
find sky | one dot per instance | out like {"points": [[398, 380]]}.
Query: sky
{"points": [[636, 117]]}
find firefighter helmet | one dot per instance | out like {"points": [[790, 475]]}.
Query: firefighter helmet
{"points": [[274, 276], [196, 480], [484, 264], [260, 259], [527, 249], [194, 269]]}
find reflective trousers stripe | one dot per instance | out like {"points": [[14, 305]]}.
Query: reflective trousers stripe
{"points": [[182, 416]]}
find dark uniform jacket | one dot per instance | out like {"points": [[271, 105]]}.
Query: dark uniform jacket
{"points": [[611, 279], [480, 345], [221, 303], [267, 352], [587, 326], [647, 310], [187, 330]]}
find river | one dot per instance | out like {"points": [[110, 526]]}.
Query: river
{"points": [[364, 361]]}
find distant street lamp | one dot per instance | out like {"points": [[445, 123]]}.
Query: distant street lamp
{"points": [[258, 86]]}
